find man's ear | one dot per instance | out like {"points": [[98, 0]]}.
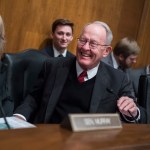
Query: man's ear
{"points": [[121, 57], [107, 51], [71, 38]]}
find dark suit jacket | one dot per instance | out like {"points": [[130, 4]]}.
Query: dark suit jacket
{"points": [[49, 52], [6, 103], [134, 74], [47, 91], [108, 60]]}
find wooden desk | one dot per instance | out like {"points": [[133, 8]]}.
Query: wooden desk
{"points": [[53, 137]]}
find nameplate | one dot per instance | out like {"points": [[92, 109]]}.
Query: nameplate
{"points": [[88, 122]]}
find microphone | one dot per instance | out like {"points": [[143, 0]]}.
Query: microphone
{"points": [[112, 91], [4, 116]]}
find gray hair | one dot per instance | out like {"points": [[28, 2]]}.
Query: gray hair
{"points": [[109, 37], [2, 34]]}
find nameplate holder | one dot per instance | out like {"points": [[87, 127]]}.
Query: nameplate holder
{"points": [[90, 122]]}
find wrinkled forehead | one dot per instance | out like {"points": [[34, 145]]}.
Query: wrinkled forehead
{"points": [[94, 31], [94, 27]]}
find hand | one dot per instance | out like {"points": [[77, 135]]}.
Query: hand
{"points": [[126, 104]]}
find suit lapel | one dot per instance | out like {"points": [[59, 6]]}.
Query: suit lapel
{"points": [[99, 89], [110, 61], [69, 54], [50, 51], [61, 77]]}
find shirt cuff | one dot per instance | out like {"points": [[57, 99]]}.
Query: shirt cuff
{"points": [[130, 119], [20, 116]]}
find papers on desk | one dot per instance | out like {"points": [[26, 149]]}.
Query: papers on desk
{"points": [[15, 123]]}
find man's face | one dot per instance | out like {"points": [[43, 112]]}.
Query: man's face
{"points": [[129, 61], [89, 48], [62, 37]]}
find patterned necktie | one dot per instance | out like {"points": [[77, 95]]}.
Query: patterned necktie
{"points": [[82, 76]]}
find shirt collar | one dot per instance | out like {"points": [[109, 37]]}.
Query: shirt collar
{"points": [[90, 73], [115, 64], [57, 53]]}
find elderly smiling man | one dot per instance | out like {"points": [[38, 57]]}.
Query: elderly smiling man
{"points": [[82, 84]]}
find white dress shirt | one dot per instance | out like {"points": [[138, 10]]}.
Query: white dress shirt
{"points": [[90, 73], [57, 53]]}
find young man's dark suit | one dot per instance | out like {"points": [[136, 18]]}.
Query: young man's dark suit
{"points": [[50, 52], [52, 80]]}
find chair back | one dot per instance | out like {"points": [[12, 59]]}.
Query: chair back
{"points": [[23, 70], [144, 94]]}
